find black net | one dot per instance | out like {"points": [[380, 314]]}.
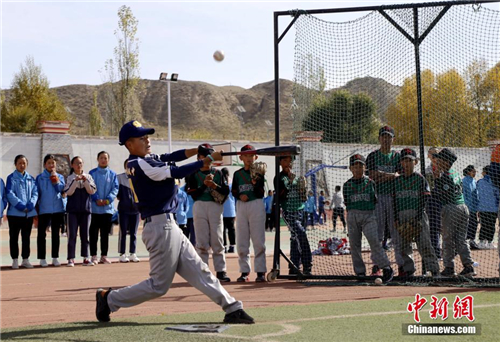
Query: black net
{"points": [[355, 88]]}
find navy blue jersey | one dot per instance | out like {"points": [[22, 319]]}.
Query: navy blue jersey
{"points": [[153, 181]]}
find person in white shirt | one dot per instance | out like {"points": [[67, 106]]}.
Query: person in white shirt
{"points": [[338, 208]]}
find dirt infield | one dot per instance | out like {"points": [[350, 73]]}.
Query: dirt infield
{"points": [[54, 295]]}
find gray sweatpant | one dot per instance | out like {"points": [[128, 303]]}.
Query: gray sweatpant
{"points": [[209, 229], [423, 242], [364, 222], [455, 220], [251, 225], [171, 252], [385, 216]]}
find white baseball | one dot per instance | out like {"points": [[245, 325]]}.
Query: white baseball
{"points": [[378, 281], [219, 55]]}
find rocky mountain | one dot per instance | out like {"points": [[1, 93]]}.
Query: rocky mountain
{"points": [[204, 111]]}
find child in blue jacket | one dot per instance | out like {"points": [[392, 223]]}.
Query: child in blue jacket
{"points": [[22, 195], [310, 209], [487, 207], [102, 207], [50, 209]]}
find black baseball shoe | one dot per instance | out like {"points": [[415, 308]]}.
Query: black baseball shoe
{"points": [[473, 245], [448, 272], [261, 277], [238, 317], [102, 310], [223, 278], [243, 278], [387, 274], [468, 271]]}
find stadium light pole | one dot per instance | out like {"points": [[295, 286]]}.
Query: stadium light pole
{"points": [[173, 78]]}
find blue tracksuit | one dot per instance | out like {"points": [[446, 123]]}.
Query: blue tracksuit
{"points": [[21, 188], [50, 200], [106, 182]]}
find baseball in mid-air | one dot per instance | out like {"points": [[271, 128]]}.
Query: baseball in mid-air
{"points": [[378, 281], [219, 55]]}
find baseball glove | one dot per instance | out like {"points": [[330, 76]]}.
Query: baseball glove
{"points": [[258, 170], [218, 197], [409, 230]]}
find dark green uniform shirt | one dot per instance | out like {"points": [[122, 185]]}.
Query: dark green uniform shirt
{"points": [[448, 188], [359, 194], [410, 192], [390, 163], [291, 199], [199, 191], [242, 185]]}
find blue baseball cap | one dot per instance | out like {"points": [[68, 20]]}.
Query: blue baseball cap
{"points": [[133, 129]]}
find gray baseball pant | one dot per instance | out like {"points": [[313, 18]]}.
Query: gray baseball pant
{"points": [[455, 220], [364, 222], [171, 252], [251, 224], [423, 242], [385, 216], [209, 230]]}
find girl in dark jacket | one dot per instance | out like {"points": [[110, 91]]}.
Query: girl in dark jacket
{"points": [[79, 188]]}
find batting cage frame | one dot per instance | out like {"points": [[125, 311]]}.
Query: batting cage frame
{"points": [[415, 38]]}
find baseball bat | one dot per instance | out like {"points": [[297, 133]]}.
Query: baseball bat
{"points": [[269, 151]]}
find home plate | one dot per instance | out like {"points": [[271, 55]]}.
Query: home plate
{"points": [[199, 328]]}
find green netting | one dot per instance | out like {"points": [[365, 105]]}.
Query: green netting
{"points": [[354, 78]]}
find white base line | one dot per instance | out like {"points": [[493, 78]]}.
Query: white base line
{"points": [[289, 329]]}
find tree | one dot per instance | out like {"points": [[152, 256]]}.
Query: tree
{"points": [[121, 75], [343, 118], [492, 89], [95, 118], [477, 95], [31, 100]]}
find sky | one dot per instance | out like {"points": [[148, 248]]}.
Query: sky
{"points": [[72, 40]]}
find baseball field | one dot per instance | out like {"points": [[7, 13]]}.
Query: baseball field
{"points": [[58, 304]]}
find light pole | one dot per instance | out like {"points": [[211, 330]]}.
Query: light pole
{"points": [[173, 78]]}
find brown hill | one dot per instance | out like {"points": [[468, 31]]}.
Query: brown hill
{"points": [[204, 111]]}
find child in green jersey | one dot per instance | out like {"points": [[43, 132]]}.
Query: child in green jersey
{"points": [[207, 213], [250, 217], [292, 195], [411, 191], [360, 200], [454, 215]]}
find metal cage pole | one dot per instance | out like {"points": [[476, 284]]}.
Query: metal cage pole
{"points": [[416, 41]]}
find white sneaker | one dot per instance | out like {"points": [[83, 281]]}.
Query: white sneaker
{"points": [[71, 263], [64, 235], [134, 258], [15, 264], [43, 263], [482, 244], [55, 262], [123, 258], [26, 264], [94, 260]]}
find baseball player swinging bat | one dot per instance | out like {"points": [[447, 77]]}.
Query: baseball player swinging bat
{"points": [[269, 151]]}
